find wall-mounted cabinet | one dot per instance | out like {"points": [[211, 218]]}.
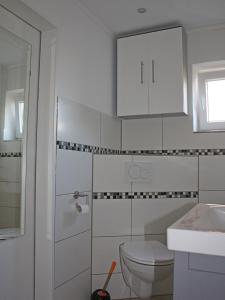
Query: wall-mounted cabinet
{"points": [[151, 74]]}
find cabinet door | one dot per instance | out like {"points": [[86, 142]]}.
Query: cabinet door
{"points": [[132, 75], [166, 90]]}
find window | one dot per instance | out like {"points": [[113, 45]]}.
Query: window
{"points": [[19, 114], [209, 96], [14, 115]]}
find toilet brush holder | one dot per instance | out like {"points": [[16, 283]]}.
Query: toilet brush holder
{"points": [[102, 294]]}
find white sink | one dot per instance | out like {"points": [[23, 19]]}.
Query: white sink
{"points": [[201, 230]]}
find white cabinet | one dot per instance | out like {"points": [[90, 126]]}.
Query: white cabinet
{"points": [[133, 83], [151, 76]]}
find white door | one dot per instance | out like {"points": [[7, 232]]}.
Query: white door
{"points": [[17, 254], [166, 91], [132, 75]]}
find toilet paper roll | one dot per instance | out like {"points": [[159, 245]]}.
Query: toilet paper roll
{"points": [[82, 208]]}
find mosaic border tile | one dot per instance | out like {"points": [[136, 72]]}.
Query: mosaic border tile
{"points": [[85, 148], [144, 195], [177, 152], [10, 154], [173, 152]]}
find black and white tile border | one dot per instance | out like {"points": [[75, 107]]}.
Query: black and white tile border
{"points": [[177, 152], [144, 195], [10, 154], [85, 148], [174, 152]]}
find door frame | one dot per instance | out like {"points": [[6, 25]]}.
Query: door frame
{"points": [[45, 151]]}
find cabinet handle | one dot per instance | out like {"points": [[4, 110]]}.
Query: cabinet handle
{"points": [[142, 77], [153, 71]]}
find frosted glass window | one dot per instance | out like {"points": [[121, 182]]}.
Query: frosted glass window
{"points": [[215, 97], [209, 96]]}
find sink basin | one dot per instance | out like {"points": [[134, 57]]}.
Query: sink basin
{"points": [[201, 230]]}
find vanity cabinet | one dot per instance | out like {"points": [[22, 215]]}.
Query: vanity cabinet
{"points": [[199, 277], [151, 74]]}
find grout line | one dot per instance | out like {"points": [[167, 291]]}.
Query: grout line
{"points": [[162, 134], [128, 235], [72, 236], [67, 194], [68, 280], [212, 190]]}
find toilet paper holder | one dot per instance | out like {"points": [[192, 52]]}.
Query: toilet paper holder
{"points": [[77, 195]]}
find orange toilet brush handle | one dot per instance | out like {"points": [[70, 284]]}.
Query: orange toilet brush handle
{"points": [[112, 268]]}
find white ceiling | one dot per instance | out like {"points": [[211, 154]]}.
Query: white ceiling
{"points": [[121, 15]]}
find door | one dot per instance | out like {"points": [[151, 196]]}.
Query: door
{"points": [[17, 254], [132, 75], [166, 91]]}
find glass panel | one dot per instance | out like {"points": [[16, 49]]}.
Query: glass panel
{"points": [[215, 97], [14, 83]]}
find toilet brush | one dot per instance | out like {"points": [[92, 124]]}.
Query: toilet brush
{"points": [[102, 294]]}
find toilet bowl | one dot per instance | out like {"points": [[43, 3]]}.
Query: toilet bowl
{"points": [[143, 263]]}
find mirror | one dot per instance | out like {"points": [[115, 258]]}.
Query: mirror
{"points": [[15, 56]]}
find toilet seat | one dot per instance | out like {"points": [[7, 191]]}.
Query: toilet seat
{"points": [[152, 253]]}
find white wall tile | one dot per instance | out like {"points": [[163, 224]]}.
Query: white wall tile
{"points": [[10, 199], [117, 288], [212, 172], [10, 169], [77, 288], [111, 217], [68, 221], [163, 287], [109, 173], [9, 217], [10, 187], [72, 256], [167, 297], [10, 146], [150, 237], [78, 123], [217, 197], [142, 134], [153, 216], [178, 134], [160, 289], [110, 132], [104, 251], [9, 204], [73, 171], [169, 173]]}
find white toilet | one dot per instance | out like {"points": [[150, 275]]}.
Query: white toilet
{"points": [[143, 263]]}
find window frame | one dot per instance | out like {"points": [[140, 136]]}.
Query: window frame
{"points": [[201, 74]]}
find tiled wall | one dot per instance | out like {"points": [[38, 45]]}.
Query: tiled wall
{"points": [[212, 179], [10, 184], [124, 210], [80, 131], [166, 134]]}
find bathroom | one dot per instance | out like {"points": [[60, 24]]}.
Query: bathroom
{"points": [[97, 165]]}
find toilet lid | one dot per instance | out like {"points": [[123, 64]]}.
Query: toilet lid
{"points": [[148, 252]]}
